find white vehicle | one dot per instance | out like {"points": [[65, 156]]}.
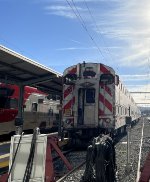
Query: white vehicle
{"points": [[94, 100]]}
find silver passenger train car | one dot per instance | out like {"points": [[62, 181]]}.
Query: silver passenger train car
{"points": [[95, 100]]}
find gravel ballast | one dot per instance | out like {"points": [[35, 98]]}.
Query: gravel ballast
{"points": [[126, 173]]}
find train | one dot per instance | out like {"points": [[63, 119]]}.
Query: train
{"points": [[95, 101], [39, 109]]}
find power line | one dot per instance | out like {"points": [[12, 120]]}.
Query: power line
{"points": [[80, 19], [93, 19]]}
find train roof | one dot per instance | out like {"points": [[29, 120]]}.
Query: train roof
{"points": [[16, 68], [88, 63]]}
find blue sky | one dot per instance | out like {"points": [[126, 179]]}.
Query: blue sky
{"points": [[60, 33]]}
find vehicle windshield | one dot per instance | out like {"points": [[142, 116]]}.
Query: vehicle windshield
{"points": [[106, 79], [69, 79], [7, 103], [3, 102]]}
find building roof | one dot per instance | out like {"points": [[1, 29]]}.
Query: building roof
{"points": [[18, 69]]}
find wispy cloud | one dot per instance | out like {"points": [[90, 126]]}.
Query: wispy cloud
{"points": [[139, 91], [135, 77], [75, 48], [82, 48], [78, 42], [129, 23], [60, 11], [63, 10], [126, 22]]}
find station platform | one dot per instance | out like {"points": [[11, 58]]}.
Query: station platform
{"points": [[4, 155]]}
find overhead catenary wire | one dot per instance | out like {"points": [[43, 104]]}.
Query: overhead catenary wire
{"points": [[80, 19], [98, 29]]}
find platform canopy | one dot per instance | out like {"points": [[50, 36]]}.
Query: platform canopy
{"points": [[18, 69]]}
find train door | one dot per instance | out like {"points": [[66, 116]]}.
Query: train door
{"points": [[81, 97], [86, 106]]}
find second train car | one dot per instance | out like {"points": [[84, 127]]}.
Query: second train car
{"points": [[38, 109]]}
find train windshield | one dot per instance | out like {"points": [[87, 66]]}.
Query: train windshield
{"points": [[8, 103], [70, 79], [107, 79], [2, 101], [6, 92], [5, 101], [89, 73]]}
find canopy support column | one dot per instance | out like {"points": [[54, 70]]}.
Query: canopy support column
{"points": [[19, 118]]}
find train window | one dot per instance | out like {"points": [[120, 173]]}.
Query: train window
{"points": [[2, 101], [119, 109], [69, 79], [50, 112], [90, 95], [116, 110], [125, 111], [122, 110], [34, 106], [89, 72], [106, 79], [51, 97], [6, 92], [40, 101], [13, 103], [116, 80], [7, 103]]}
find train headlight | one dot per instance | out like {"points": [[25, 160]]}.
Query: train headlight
{"points": [[107, 120], [69, 121]]}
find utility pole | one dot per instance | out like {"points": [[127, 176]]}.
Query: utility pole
{"points": [[128, 123]]}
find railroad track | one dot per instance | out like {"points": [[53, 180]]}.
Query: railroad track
{"points": [[76, 159], [70, 173], [139, 148]]}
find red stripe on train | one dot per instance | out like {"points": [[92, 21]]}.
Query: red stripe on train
{"points": [[70, 103], [105, 102], [73, 70], [100, 112], [7, 115], [67, 91], [104, 69], [107, 89]]}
